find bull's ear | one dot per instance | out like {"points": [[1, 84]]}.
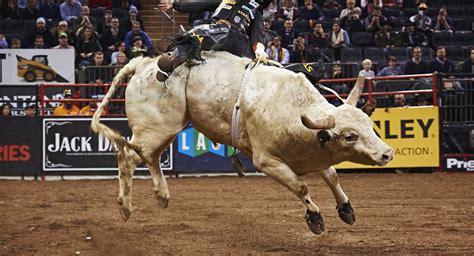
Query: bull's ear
{"points": [[369, 107], [319, 124], [354, 96]]}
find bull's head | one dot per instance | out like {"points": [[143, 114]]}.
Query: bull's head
{"points": [[348, 132]]}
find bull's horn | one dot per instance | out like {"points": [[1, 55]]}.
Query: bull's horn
{"points": [[319, 124], [354, 96]]}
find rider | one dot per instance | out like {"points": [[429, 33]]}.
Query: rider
{"points": [[244, 21]]}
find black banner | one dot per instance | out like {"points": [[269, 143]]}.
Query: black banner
{"points": [[70, 145], [458, 162], [20, 145]]}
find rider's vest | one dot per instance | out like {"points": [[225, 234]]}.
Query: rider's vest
{"points": [[238, 12]]}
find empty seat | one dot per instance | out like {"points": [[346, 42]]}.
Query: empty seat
{"points": [[330, 13], [28, 25], [393, 86], [302, 26], [326, 51], [277, 26], [469, 11], [119, 13], [376, 54], [391, 12], [462, 24], [399, 52], [11, 26], [408, 12], [442, 38], [455, 11], [463, 39], [351, 55], [362, 39], [455, 53], [97, 12], [327, 25]]}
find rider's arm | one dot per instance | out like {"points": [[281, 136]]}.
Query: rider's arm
{"points": [[166, 5]]}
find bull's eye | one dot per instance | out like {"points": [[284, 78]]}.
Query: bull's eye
{"points": [[351, 137]]}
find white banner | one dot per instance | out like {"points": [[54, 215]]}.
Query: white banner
{"points": [[33, 66]]}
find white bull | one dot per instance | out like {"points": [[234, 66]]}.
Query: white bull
{"points": [[286, 126]]}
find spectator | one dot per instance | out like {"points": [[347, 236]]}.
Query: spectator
{"points": [[393, 4], [15, 43], [21, 4], [50, 11], [338, 38], [120, 59], [63, 42], [40, 29], [336, 72], [440, 63], [107, 23], [3, 41], [410, 37], [352, 22], [134, 3], [6, 109], [399, 101], [63, 27], [332, 4], [387, 38], [366, 71], [87, 45], [277, 52], [111, 36], [138, 49], [421, 100], [443, 22], [369, 5], [318, 38], [310, 11], [120, 47], [393, 69], [416, 65], [8, 10], [268, 34], [66, 108], [270, 12], [90, 109], [467, 66], [288, 11], [31, 12], [351, 8], [288, 33], [30, 110], [421, 21], [136, 31], [84, 20], [374, 21], [133, 17], [70, 10], [107, 4], [39, 42], [299, 52]]}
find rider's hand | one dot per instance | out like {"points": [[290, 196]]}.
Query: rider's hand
{"points": [[260, 53]]}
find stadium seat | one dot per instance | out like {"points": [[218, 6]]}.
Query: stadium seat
{"points": [[455, 53], [426, 54], [330, 14], [119, 13], [391, 12], [399, 52], [302, 27], [97, 12], [433, 11], [11, 26], [351, 55], [327, 51], [397, 86], [455, 11], [463, 39], [327, 25], [469, 11], [376, 54], [408, 12], [362, 39], [462, 24], [277, 26], [442, 39], [28, 25]]}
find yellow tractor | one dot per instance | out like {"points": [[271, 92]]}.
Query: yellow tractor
{"points": [[36, 69]]}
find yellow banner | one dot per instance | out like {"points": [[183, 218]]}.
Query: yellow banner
{"points": [[412, 132]]}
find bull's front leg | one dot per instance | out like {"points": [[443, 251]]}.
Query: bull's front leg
{"points": [[344, 208], [284, 175]]}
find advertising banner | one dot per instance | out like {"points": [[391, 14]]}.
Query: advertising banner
{"points": [[196, 153], [458, 162], [412, 132], [30, 66], [70, 145], [20, 145]]}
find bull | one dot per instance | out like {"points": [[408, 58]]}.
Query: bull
{"points": [[286, 126]]}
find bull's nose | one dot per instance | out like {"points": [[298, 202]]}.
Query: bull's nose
{"points": [[387, 156]]}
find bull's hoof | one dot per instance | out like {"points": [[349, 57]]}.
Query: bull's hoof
{"points": [[346, 213], [162, 202], [125, 211], [315, 222]]}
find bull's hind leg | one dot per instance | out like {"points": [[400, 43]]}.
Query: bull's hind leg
{"points": [[127, 162], [285, 176], [344, 208]]}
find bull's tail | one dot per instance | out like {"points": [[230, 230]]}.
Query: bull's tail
{"points": [[120, 143]]}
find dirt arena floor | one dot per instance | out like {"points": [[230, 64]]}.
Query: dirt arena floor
{"points": [[396, 214]]}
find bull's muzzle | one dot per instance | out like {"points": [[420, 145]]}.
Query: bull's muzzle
{"points": [[386, 157]]}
